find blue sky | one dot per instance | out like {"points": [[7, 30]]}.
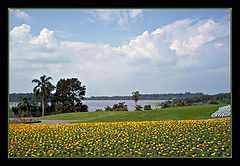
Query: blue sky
{"points": [[117, 51]]}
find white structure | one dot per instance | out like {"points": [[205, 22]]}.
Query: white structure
{"points": [[222, 112]]}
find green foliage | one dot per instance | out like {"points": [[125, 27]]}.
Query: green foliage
{"points": [[99, 110], [83, 108], [68, 95], [15, 111], [117, 107], [222, 98], [135, 96], [120, 107], [138, 108], [211, 101], [108, 108], [43, 89], [165, 104], [167, 96], [180, 103], [147, 107], [26, 108]]}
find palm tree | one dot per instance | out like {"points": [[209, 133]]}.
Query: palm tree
{"points": [[135, 97], [43, 89]]}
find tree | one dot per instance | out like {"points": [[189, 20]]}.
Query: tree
{"points": [[69, 93], [43, 89], [135, 97], [22, 107], [26, 108]]}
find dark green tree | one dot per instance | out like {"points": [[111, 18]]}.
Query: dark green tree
{"points": [[43, 89], [69, 93]]}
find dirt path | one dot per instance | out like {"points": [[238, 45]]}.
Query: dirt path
{"points": [[55, 122], [217, 118]]}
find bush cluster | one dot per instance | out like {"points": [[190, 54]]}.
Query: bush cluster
{"points": [[33, 109], [122, 107], [27, 109], [117, 107]]}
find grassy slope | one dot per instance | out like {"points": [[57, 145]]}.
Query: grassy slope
{"points": [[175, 113]]}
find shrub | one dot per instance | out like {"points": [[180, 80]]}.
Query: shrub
{"points": [[180, 103], [147, 107], [108, 108], [99, 110], [165, 104], [84, 108], [15, 111], [138, 108], [212, 102], [117, 107]]}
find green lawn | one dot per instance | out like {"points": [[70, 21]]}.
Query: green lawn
{"points": [[175, 113]]}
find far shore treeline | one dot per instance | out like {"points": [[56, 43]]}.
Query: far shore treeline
{"points": [[195, 97], [14, 97]]}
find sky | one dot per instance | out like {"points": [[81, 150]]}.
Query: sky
{"points": [[118, 51]]}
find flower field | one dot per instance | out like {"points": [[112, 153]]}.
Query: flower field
{"points": [[173, 138]]}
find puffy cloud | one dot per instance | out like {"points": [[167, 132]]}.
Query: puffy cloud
{"points": [[46, 39], [20, 34], [20, 14], [183, 44], [183, 38], [42, 48], [190, 45]]}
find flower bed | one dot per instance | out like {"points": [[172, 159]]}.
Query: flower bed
{"points": [[23, 120], [222, 112], [182, 138]]}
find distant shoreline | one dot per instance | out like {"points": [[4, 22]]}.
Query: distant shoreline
{"points": [[14, 97]]}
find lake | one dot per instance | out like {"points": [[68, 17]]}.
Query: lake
{"points": [[101, 104]]}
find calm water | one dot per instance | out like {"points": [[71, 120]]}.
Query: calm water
{"points": [[101, 104]]}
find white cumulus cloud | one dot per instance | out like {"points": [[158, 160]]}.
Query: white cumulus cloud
{"points": [[45, 39], [20, 34], [182, 44]]}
